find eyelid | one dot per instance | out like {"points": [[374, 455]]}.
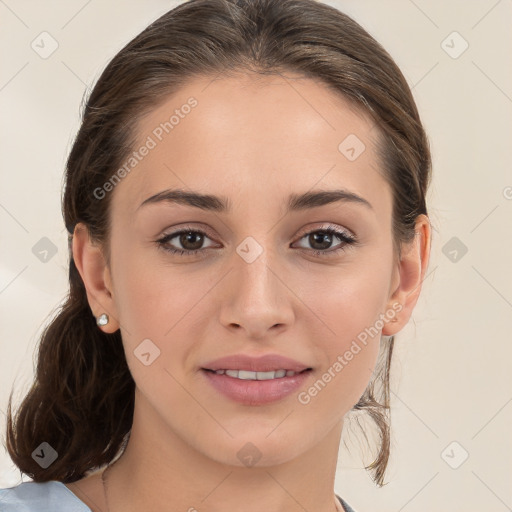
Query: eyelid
{"points": [[327, 226], [177, 229], [346, 237], [302, 233]]}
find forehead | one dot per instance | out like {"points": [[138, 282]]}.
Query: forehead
{"points": [[254, 137]]}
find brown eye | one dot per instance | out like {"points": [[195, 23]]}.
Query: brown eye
{"points": [[321, 241], [191, 242]]}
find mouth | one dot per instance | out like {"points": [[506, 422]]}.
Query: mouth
{"points": [[252, 388], [250, 375]]}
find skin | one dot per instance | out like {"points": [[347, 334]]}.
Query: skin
{"points": [[255, 141]]}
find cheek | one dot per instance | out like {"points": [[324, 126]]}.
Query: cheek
{"points": [[159, 302], [350, 300], [144, 287], [350, 308], [338, 385]]}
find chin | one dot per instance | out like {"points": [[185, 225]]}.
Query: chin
{"points": [[257, 449]]}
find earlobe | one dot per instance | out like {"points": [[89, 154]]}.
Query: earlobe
{"points": [[411, 269], [91, 264]]}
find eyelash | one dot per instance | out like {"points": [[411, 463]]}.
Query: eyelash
{"points": [[342, 235]]}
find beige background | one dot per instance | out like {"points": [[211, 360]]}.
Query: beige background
{"points": [[453, 363]]}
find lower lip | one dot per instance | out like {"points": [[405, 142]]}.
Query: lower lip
{"points": [[256, 392]]}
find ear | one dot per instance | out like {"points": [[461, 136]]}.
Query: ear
{"points": [[93, 269], [410, 274]]}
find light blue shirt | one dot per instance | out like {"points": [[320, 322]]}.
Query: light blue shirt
{"points": [[52, 496]]}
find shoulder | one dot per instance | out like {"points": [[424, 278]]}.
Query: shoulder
{"points": [[345, 505], [50, 496]]}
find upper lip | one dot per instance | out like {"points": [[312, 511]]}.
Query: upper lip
{"points": [[266, 363]]}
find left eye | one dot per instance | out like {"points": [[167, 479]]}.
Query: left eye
{"points": [[191, 241], [325, 236], [186, 237]]}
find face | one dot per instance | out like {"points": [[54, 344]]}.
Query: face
{"points": [[266, 277]]}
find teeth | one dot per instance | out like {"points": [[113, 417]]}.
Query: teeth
{"points": [[248, 375]]}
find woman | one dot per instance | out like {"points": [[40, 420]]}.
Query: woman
{"points": [[245, 201]]}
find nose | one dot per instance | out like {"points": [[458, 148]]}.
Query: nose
{"points": [[256, 298]]}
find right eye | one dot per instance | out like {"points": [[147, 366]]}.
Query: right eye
{"points": [[189, 239]]}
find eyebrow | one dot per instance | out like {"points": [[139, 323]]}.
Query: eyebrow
{"points": [[222, 204]]}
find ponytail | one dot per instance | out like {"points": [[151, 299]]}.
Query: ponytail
{"points": [[375, 401], [81, 401]]}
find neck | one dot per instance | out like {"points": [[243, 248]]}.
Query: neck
{"points": [[157, 471]]}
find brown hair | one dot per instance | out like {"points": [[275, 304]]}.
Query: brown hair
{"points": [[82, 399]]}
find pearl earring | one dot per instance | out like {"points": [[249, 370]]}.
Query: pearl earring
{"points": [[102, 320]]}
